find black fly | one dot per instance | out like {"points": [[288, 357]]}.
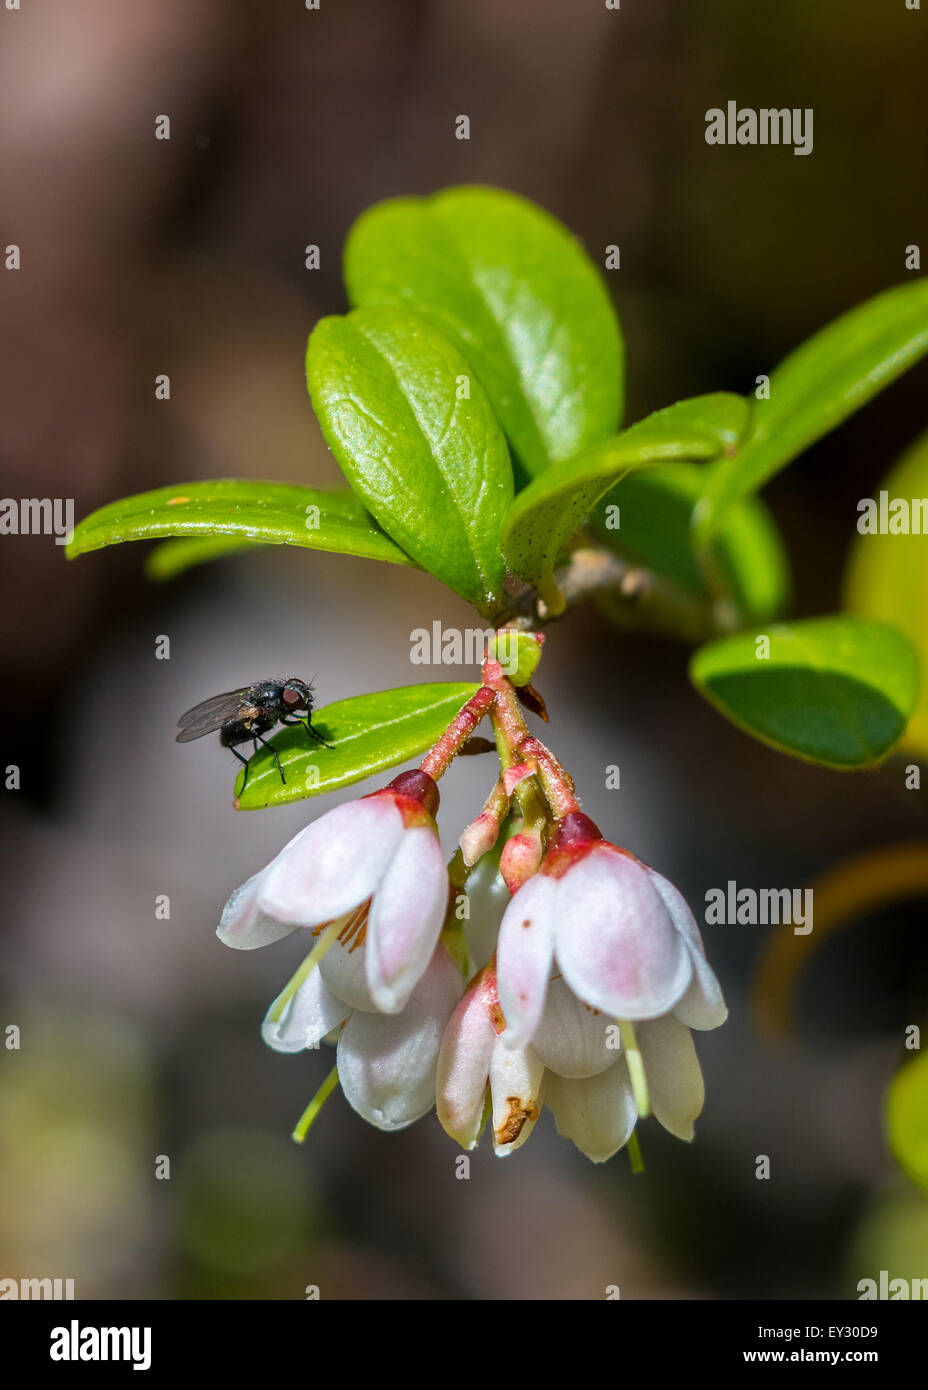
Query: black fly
{"points": [[249, 713]]}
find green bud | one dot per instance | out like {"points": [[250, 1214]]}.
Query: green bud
{"points": [[518, 653]]}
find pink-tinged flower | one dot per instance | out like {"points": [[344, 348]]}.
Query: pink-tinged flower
{"points": [[386, 1062], [576, 1065], [619, 934], [587, 1084], [471, 1058], [380, 857]]}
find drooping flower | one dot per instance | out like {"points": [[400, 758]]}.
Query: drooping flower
{"points": [[576, 1065], [372, 867], [587, 1082], [471, 1058], [386, 1062], [621, 936]]}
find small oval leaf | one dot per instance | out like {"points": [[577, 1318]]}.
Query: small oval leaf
{"points": [[174, 557], [836, 691], [887, 575], [415, 436], [368, 733], [646, 520], [517, 294], [546, 514], [243, 511], [819, 385]]}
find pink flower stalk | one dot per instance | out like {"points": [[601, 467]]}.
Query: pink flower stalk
{"points": [[620, 935], [372, 868]]}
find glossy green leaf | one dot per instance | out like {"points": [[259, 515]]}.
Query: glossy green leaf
{"points": [[517, 294], [646, 520], [415, 436], [906, 1113], [368, 733], [819, 385], [836, 691], [272, 513], [545, 515], [887, 575], [174, 557]]}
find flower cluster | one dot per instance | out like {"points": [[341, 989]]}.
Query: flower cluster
{"points": [[573, 980]]}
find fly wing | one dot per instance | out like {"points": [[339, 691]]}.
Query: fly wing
{"points": [[211, 714]]}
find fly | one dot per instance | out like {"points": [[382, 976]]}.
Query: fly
{"points": [[247, 714]]}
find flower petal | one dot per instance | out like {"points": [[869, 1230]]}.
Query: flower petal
{"points": [[616, 943], [307, 1016], [524, 957], [515, 1083], [243, 925], [702, 1006], [597, 1112], [345, 973], [387, 1062], [573, 1039], [334, 864], [406, 918], [673, 1073], [464, 1066]]}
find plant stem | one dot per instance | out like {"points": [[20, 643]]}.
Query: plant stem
{"points": [[556, 782], [439, 757]]}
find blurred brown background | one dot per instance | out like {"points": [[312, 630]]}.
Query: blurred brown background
{"points": [[139, 256]]}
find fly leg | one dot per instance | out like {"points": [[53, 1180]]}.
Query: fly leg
{"points": [[244, 762], [309, 729], [264, 743], [318, 737]]}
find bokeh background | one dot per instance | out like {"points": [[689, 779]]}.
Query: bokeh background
{"points": [[140, 1036]]}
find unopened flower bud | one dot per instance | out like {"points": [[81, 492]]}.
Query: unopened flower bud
{"points": [[479, 837], [520, 859], [517, 773]]}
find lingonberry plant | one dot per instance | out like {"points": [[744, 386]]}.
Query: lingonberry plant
{"points": [[473, 399]]}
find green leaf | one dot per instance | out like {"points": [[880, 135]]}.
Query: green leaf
{"points": [[819, 385], [174, 557], [272, 513], [545, 515], [906, 1115], [369, 733], [835, 691], [430, 462], [646, 520], [887, 574], [516, 293]]}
